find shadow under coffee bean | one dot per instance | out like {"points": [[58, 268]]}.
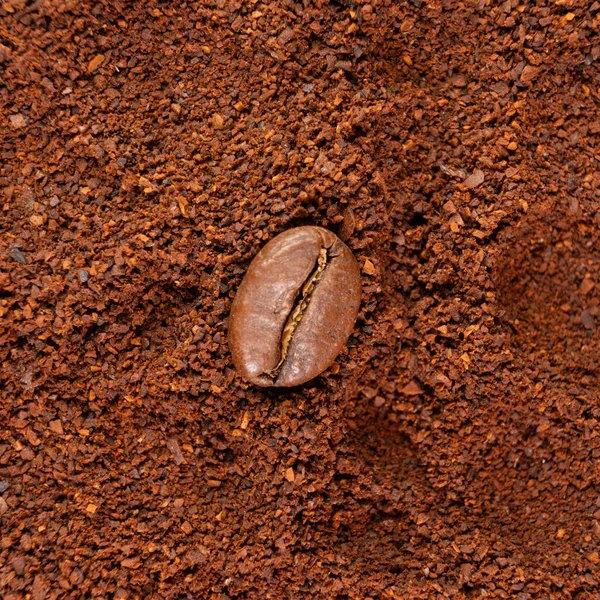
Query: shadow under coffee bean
{"points": [[295, 308]]}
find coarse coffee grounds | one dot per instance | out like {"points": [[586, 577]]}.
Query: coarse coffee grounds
{"points": [[148, 150]]}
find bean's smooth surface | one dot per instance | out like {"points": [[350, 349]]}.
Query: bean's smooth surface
{"points": [[295, 308]]}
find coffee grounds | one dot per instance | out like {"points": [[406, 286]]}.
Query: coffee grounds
{"points": [[149, 150]]}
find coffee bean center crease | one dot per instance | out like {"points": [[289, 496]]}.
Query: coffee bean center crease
{"points": [[297, 312]]}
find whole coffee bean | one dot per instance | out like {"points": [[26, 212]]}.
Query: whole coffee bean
{"points": [[295, 308]]}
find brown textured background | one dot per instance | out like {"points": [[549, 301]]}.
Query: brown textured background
{"points": [[149, 149]]}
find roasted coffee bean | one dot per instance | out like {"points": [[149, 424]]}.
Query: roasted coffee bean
{"points": [[295, 308]]}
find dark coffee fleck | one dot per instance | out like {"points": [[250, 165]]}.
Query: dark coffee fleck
{"points": [[587, 320], [17, 255]]}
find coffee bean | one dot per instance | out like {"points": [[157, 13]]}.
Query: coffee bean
{"points": [[295, 308]]}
